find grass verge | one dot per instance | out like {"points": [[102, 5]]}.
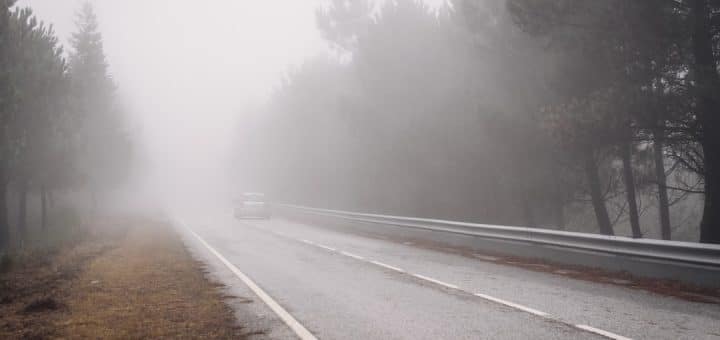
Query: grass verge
{"points": [[128, 278]]}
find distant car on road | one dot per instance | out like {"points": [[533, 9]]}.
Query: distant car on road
{"points": [[252, 205]]}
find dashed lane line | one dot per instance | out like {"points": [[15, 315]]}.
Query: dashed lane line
{"points": [[387, 266], [512, 304], [435, 281], [506, 303], [357, 257], [602, 332], [326, 247]]}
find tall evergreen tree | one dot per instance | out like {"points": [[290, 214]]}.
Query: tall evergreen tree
{"points": [[6, 92], [39, 78], [705, 34], [103, 145]]}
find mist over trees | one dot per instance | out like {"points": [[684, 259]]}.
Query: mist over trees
{"points": [[62, 129], [589, 115], [104, 146]]}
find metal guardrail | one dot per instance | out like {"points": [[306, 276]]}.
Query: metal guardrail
{"points": [[705, 256]]}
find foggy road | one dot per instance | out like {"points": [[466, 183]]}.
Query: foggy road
{"points": [[573, 138], [340, 286]]}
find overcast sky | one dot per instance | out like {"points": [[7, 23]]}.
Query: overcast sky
{"points": [[190, 69]]}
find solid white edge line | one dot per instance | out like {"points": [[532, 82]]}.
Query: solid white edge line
{"points": [[387, 266], [602, 332], [289, 320], [445, 284], [511, 304], [357, 257]]}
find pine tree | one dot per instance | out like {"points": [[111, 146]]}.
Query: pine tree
{"points": [[38, 76], [92, 83], [5, 94], [102, 143]]}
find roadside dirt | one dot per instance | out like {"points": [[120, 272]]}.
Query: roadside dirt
{"points": [[127, 279]]}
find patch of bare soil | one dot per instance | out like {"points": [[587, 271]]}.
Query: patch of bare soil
{"points": [[134, 280]]}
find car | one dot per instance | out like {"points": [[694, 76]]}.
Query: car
{"points": [[252, 205]]}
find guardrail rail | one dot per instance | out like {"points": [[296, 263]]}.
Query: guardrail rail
{"points": [[688, 262]]}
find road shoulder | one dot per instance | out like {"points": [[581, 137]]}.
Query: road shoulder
{"points": [[130, 278]]}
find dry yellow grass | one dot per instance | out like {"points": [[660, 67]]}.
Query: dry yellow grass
{"points": [[143, 285]]}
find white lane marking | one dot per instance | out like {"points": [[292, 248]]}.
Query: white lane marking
{"points": [[357, 257], [484, 296], [485, 257], [289, 320], [512, 304], [326, 247], [387, 266], [438, 282], [602, 332]]}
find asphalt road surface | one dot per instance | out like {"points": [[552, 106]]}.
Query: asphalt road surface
{"points": [[339, 285]]}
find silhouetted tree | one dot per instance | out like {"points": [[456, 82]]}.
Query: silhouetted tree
{"points": [[103, 142], [533, 112], [39, 147], [6, 100], [38, 77], [704, 66], [644, 41]]}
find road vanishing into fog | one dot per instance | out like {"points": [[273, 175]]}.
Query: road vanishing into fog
{"points": [[339, 285]]}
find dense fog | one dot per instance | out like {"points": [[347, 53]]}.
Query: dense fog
{"points": [[490, 112], [187, 74], [593, 116]]}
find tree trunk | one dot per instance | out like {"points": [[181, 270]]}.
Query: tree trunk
{"points": [[707, 83], [629, 180], [528, 213], [596, 194], [43, 206], [558, 205], [4, 223], [50, 199], [93, 202], [22, 207], [559, 215], [663, 202]]}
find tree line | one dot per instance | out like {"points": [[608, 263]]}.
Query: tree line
{"points": [[61, 126], [543, 113], [648, 75]]}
